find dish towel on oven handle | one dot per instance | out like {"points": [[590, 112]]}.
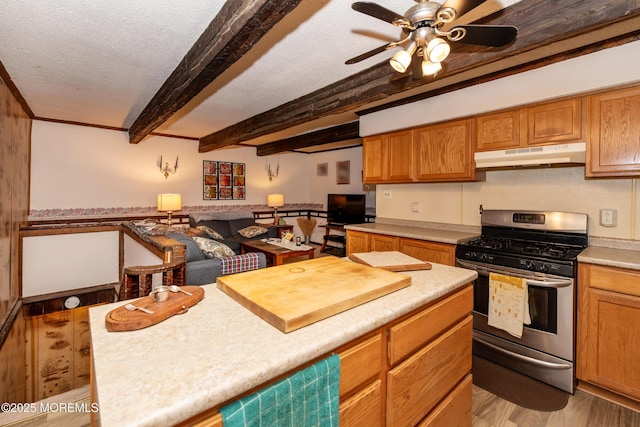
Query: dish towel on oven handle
{"points": [[508, 303]]}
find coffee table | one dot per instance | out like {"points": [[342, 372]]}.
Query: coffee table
{"points": [[275, 254]]}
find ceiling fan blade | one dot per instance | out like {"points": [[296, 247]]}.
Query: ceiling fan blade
{"points": [[371, 53], [487, 35], [461, 6], [382, 13]]}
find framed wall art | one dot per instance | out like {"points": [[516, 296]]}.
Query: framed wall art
{"points": [[343, 172], [223, 180], [322, 169]]}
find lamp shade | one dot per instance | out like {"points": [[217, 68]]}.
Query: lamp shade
{"points": [[275, 200], [169, 202]]}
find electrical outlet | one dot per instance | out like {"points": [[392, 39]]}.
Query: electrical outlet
{"points": [[608, 217], [415, 207], [386, 194]]}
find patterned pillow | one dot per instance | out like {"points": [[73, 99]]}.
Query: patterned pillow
{"points": [[212, 248], [210, 232], [252, 231]]}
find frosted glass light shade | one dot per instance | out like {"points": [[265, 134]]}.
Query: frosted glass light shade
{"points": [[430, 68], [438, 50]]}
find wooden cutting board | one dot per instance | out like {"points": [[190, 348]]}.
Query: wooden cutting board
{"points": [[291, 296], [121, 319], [390, 260]]}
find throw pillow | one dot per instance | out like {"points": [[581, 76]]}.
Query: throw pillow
{"points": [[252, 231], [210, 232], [212, 248]]}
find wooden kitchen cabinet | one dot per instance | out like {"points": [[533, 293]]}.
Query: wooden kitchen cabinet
{"points": [[541, 124], [444, 152], [357, 242], [382, 242], [554, 122], [441, 253], [498, 131], [388, 157], [614, 123], [608, 333]]}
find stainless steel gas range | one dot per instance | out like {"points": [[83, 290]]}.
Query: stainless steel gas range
{"points": [[541, 247]]}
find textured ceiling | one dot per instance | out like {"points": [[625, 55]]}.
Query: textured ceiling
{"points": [[100, 62]]}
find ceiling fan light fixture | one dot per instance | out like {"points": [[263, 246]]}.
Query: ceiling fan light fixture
{"points": [[430, 68], [401, 60], [438, 50]]}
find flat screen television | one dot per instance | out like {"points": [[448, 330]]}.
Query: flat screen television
{"points": [[346, 208]]}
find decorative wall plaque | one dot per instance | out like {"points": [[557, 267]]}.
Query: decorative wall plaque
{"points": [[223, 180]]}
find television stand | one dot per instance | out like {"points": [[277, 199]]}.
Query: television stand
{"points": [[337, 238]]}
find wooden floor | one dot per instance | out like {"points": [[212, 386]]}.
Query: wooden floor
{"points": [[583, 409]]}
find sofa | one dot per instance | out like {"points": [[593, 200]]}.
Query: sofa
{"points": [[229, 225], [201, 270]]}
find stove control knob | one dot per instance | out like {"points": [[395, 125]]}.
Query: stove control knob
{"points": [[529, 265], [483, 257], [543, 268]]}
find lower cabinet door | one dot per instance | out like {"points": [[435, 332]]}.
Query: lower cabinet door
{"points": [[455, 410], [363, 408], [418, 384]]}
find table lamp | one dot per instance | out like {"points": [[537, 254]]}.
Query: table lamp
{"points": [[169, 203], [275, 201]]}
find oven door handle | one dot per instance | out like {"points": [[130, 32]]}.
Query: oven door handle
{"points": [[527, 359], [553, 283]]}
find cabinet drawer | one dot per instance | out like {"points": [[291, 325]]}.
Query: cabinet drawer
{"points": [[455, 409], [381, 242], [363, 408], [414, 332], [614, 279], [360, 364], [416, 386]]}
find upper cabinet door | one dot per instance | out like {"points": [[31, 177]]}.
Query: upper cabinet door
{"points": [[373, 158], [444, 152], [498, 131], [559, 121], [400, 160], [388, 157], [614, 122]]}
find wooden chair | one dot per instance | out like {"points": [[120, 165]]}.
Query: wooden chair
{"points": [[136, 281]]}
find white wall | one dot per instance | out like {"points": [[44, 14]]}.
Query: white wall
{"points": [[76, 167], [563, 189], [63, 262]]}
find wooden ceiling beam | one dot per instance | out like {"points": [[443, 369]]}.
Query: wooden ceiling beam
{"points": [[233, 32], [539, 23], [324, 136]]}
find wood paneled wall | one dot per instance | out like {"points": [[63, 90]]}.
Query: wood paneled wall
{"points": [[15, 154]]}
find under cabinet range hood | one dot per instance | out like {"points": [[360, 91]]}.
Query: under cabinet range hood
{"points": [[568, 154]]}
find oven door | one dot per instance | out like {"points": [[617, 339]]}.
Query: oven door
{"points": [[551, 307]]}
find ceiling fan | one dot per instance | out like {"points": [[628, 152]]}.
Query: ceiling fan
{"points": [[423, 33]]}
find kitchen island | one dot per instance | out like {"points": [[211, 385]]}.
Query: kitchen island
{"points": [[185, 366]]}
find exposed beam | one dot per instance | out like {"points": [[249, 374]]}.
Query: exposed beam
{"points": [[325, 136], [233, 32], [539, 25]]}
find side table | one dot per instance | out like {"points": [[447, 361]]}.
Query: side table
{"points": [[136, 281]]}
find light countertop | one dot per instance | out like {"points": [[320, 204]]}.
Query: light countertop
{"points": [[189, 363], [612, 257], [442, 234]]}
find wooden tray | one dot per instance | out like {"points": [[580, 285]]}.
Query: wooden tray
{"points": [[294, 295], [121, 319], [390, 260]]}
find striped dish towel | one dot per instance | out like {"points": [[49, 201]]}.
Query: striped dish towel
{"points": [[308, 398]]}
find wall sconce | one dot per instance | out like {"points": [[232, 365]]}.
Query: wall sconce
{"points": [[169, 203], [270, 172], [275, 201], [166, 169]]}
